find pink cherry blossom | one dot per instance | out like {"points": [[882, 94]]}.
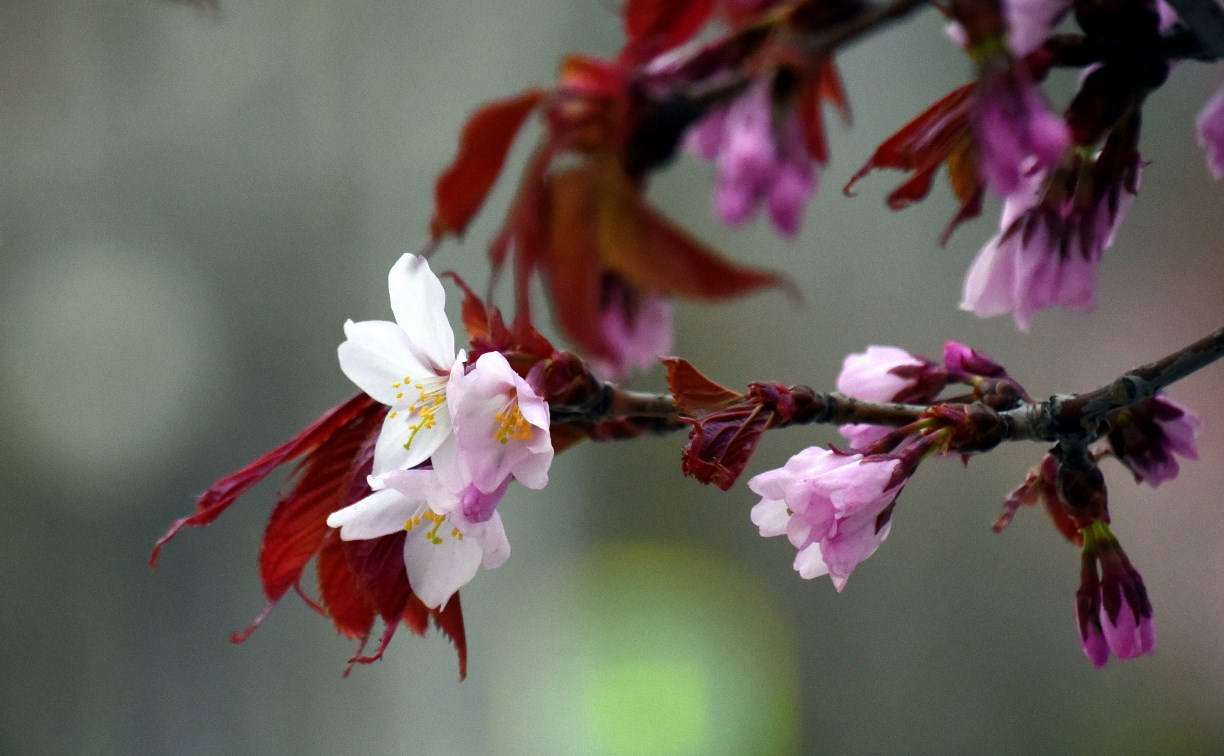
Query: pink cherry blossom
{"points": [[1044, 256], [1015, 131], [637, 328], [501, 429], [1112, 607], [833, 507], [451, 535], [886, 374], [1146, 438], [761, 159], [1211, 133]]}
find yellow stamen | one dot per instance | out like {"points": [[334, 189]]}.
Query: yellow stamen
{"points": [[511, 424]]}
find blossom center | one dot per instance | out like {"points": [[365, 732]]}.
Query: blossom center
{"points": [[424, 408], [511, 424], [430, 516]]}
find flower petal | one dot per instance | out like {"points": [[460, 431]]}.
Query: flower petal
{"points": [[377, 356], [400, 447], [437, 569], [419, 303], [381, 513]]}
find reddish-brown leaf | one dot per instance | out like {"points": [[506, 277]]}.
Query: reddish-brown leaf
{"points": [[348, 609], [378, 565], [450, 621], [693, 391], [298, 523], [224, 492], [483, 146], [571, 265], [654, 26], [723, 440], [655, 256], [923, 143]]}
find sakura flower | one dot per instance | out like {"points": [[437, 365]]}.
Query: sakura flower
{"points": [[636, 328], [1112, 606], [406, 365], [762, 158], [450, 535], [1210, 125], [886, 374], [1145, 438], [834, 508], [1014, 129], [501, 429], [1050, 243]]}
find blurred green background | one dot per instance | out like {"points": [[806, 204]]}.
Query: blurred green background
{"points": [[191, 207]]}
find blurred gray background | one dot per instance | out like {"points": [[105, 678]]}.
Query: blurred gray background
{"points": [[191, 207]]}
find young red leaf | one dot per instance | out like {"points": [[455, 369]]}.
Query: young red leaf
{"points": [[298, 523], [348, 609], [693, 391], [224, 492], [461, 189], [655, 26]]}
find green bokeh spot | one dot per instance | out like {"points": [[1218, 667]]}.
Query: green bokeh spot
{"points": [[640, 706]]}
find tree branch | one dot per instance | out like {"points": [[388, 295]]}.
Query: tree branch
{"points": [[1071, 419]]}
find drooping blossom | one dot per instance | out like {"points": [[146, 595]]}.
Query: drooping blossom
{"points": [[450, 534], [886, 374], [1049, 244], [1112, 607], [1146, 437], [636, 327], [1210, 125], [762, 159], [406, 365], [1014, 129], [501, 429], [835, 508]]}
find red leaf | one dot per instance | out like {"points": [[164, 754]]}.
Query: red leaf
{"points": [[694, 392], [450, 621], [655, 256], [925, 142], [654, 26], [723, 440], [224, 492], [378, 564], [299, 521], [461, 189], [352, 614]]}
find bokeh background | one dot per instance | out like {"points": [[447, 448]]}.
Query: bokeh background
{"points": [[191, 206]]}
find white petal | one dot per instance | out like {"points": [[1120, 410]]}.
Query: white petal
{"points": [[437, 570], [419, 303], [378, 356], [381, 513], [399, 448]]}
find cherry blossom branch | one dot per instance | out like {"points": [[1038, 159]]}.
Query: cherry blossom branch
{"points": [[1071, 419]]}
